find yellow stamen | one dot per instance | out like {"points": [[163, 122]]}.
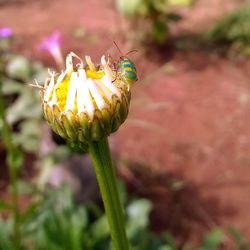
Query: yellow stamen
{"points": [[94, 74], [61, 92]]}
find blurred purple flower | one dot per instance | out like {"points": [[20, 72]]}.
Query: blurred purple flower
{"points": [[51, 44], [5, 32]]}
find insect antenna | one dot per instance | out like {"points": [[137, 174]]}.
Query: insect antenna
{"points": [[118, 48], [131, 51], [122, 54]]}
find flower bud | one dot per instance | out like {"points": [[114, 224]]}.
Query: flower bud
{"points": [[85, 102]]}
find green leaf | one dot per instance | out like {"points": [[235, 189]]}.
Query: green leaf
{"points": [[165, 248], [29, 218], [160, 31], [235, 234], [100, 228], [25, 187], [180, 2], [132, 7], [170, 240], [240, 240], [5, 205], [39, 73], [26, 106], [11, 87], [29, 135], [212, 240], [6, 243], [19, 68], [138, 216], [14, 159], [174, 17], [139, 210]]}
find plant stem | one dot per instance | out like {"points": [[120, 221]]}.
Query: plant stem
{"points": [[100, 154], [12, 154]]}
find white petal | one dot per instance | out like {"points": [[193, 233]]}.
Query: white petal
{"points": [[53, 100], [60, 78], [49, 88], [90, 63], [106, 68], [110, 86], [69, 62], [96, 94], [107, 93], [84, 99]]}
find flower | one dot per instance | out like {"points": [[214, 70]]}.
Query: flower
{"points": [[85, 102], [5, 32], [51, 44]]}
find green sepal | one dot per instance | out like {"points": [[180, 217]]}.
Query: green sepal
{"points": [[56, 111], [123, 109], [73, 120], [116, 121], [48, 113], [45, 111], [82, 136], [98, 115], [96, 130], [70, 131], [106, 118], [58, 128], [84, 124], [114, 102], [78, 147]]}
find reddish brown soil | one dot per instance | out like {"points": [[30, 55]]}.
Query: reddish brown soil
{"points": [[188, 129]]}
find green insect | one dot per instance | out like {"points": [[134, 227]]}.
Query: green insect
{"points": [[125, 69]]}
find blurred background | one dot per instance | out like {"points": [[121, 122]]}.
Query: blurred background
{"points": [[182, 156]]}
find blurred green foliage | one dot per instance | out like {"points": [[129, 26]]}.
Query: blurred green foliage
{"points": [[23, 111], [52, 221], [233, 29], [149, 20], [19, 128], [212, 240], [241, 242]]}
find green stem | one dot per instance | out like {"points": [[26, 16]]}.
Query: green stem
{"points": [[100, 154], [6, 133]]}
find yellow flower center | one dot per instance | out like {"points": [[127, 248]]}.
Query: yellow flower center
{"points": [[61, 92], [94, 74]]}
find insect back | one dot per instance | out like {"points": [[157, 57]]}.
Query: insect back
{"points": [[127, 70]]}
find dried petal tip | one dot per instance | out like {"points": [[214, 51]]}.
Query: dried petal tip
{"points": [[84, 103]]}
